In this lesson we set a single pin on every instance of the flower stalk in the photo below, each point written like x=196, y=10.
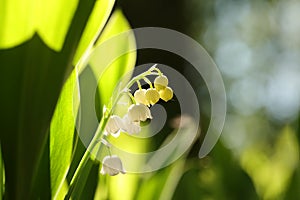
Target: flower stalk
x=137, y=112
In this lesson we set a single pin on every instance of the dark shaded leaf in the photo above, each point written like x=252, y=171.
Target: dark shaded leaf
x=32, y=77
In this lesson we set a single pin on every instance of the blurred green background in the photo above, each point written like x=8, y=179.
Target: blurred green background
x=256, y=46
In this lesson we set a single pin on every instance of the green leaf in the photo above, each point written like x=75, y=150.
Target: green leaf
x=51, y=19
x=62, y=134
x=123, y=64
x=62, y=127
x=90, y=177
x=93, y=28
x=41, y=188
x=87, y=127
x=116, y=25
x=1, y=175
x=32, y=78
x=271, y=169
x=161, y=184
x=16, y=25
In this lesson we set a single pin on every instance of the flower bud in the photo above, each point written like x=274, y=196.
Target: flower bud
x=140, y=97
x=152, y=96
x=161, y=82
x=166, y=94
x=138, y=112
x=112, y=165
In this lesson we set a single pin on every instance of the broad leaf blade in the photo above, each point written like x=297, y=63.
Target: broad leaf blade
x=53, y=19
x=94, y=26
x=116, y=25
x=122, y=67
x=123, y=64
x=16, y=25
x=61, y=135
x=33, y=75
x=85, y=129
x=22, y=19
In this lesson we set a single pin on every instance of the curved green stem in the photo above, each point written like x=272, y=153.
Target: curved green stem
x=139, y=84
x=131, y=97
x=86, y=155
x=148, y=81
x=158, y=71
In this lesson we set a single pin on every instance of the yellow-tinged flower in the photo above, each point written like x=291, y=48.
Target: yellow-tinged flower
x=140, y=97
x=112, y=165
x=138, y=112
x=166, y=94
x=152, y=96
x=161, y=82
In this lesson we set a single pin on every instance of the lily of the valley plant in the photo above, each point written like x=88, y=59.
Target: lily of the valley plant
x=137, y=112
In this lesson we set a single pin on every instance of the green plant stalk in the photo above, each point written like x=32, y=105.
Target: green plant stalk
x=101, y=128
x=86, y=155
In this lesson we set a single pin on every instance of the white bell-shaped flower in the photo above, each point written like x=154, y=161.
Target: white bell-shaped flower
x=140, y=96
x=114, y=126
x=112, y=165
x=138, y=112
x=161, y=82
x=130, y=127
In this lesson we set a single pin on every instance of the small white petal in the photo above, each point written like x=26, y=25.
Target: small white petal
x=139, y=112
x=112, y=165
x=140, y=96
x=130, y=127
x=113, y=126
x=117, y=134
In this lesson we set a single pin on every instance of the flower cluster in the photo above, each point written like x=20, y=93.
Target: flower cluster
x=137, y=112
x=152, y=95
